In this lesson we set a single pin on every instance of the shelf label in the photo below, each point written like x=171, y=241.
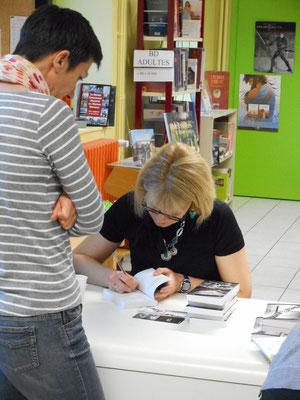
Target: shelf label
x=153, y=58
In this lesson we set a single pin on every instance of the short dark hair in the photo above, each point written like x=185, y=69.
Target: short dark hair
x=51, y=28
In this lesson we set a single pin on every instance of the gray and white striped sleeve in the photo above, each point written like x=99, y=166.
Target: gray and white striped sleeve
x=60, y=142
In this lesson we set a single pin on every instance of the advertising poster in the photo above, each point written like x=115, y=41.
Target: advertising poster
x=259, y=102
x=274, y=47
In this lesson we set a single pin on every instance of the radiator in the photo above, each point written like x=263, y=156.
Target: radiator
x=99, y=153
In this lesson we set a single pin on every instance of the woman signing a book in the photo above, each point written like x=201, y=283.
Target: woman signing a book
x=174, y=224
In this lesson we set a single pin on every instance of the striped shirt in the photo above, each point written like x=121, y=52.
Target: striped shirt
x=40, y=158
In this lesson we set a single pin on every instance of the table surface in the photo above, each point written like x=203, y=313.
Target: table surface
x=202, y=349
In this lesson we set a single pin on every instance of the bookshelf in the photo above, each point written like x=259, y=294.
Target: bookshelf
x=217, y=146
x=170, y=41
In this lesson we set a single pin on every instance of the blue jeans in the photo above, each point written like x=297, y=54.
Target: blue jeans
x=47, y=357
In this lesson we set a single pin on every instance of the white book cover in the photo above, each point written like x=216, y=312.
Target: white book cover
x=144, y=296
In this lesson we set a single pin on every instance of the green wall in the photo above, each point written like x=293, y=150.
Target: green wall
x=267, y=163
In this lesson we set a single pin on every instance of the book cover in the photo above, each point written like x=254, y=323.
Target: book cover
x=218, y=82
x=169, y=317
x=182, y=127
x=191, y=12
x=192, y=74
x=144, y=296
x=199, y=55
x=214, y=293
x=93, y=103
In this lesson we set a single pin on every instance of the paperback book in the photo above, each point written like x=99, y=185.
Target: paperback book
x=214, y=294
x=95, y=104
x=182, y=127
x=218, y=83
x=169, y=317
x=211, y=313
x=191, y=12
x=144, y=296
x=279, y=319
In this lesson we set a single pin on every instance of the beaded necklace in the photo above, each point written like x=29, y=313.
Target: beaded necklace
x=170, y=250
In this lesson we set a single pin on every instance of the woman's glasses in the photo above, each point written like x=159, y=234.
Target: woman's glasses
x=157, y=212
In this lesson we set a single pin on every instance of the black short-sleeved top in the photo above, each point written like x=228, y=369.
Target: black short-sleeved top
x=218, y=235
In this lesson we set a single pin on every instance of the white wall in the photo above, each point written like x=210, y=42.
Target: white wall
x=100, y=15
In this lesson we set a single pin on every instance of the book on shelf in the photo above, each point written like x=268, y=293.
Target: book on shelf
x=143, y=296
x=156, y=18
x=221, y=177
x=221, y=314
x=182, y=127
x=191, y=14
x=268, y=345
x=95, y=104
x=142, y=144
x=214, y=294
x=192, y=74
x=279, y=319
x=198, y=54
x=206, y=105
x=218, y=83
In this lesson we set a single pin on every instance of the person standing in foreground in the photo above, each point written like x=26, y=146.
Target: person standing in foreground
x=44, y=353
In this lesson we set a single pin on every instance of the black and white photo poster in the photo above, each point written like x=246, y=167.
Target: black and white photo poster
x=274, y=47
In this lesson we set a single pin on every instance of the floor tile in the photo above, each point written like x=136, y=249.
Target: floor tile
x=291, y=295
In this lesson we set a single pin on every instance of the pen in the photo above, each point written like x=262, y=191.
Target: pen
x=118, y=262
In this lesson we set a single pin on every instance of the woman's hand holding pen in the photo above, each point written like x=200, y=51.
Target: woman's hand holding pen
x=121, y=282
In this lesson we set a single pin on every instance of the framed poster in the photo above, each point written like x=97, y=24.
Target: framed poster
x=259, y=102
x=274, y=47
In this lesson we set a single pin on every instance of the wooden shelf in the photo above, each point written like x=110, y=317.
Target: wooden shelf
x=176, y=39
x=174, y=94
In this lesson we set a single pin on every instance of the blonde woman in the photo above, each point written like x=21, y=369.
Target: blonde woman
x=173, y=223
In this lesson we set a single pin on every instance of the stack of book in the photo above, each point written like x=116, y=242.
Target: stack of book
x=271, y=329
x=212, y=300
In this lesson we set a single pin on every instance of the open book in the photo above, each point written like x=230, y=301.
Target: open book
x=144, y=296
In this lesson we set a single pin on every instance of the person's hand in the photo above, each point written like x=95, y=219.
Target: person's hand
x=64, y=212
x=120, y=282
x=171, y=287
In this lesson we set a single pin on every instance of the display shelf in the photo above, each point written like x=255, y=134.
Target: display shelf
x=170, y=42
x=222, y=123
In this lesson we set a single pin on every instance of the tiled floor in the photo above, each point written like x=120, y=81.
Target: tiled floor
x=271, y=230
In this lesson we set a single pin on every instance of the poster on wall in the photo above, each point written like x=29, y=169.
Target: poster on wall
x=274, y=47
x=259, y=102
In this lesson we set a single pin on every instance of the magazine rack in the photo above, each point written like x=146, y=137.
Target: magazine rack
x=169, y=42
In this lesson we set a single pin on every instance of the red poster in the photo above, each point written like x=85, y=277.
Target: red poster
x=94, y=105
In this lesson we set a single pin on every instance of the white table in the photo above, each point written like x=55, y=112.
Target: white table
x=146, y=360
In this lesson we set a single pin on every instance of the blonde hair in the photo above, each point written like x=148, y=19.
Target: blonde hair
x=175, y=177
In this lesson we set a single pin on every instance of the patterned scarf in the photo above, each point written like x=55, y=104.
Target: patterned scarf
x=18, y=70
